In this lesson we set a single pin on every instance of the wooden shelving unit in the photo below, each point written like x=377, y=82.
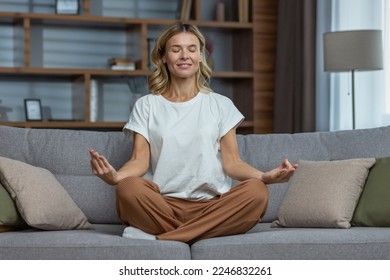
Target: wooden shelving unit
x=237, y=78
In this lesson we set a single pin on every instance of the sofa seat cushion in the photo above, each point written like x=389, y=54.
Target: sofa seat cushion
x=105, y=242
x=267, y=243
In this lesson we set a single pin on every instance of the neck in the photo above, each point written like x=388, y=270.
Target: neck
x=181, y=92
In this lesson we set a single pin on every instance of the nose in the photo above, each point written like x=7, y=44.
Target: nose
x=184, y=55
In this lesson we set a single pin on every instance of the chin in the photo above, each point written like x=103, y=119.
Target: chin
x=185, y=75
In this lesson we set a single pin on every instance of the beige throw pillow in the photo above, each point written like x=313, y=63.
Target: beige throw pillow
x=41, y=200
x=323, y=193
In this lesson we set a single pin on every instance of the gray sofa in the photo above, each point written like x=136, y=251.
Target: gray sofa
x=65, y=154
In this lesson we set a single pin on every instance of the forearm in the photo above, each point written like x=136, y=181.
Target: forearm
x=133, y=168
x=241, y=171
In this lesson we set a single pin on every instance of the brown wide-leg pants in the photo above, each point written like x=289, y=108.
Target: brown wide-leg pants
x=140, y=205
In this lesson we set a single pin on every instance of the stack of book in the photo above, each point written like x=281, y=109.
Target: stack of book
x=121, y=64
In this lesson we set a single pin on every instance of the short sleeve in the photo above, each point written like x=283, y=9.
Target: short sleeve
x=138, y=120
x=231, y=117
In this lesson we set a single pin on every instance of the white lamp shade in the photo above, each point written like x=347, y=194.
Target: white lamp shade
x=353, y=50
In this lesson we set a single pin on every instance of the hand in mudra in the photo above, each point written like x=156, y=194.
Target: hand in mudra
x=102, y=168
x=281, y=173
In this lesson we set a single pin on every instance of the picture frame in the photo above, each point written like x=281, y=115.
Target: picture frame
x=33, y=109
x=69, y=7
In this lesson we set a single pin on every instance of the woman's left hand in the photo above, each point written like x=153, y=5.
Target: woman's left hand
x=280, y=174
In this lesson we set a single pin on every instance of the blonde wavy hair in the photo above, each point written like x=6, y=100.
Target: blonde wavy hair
x=159, y=81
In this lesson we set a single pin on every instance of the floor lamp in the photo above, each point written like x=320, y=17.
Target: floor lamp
x=354, y=50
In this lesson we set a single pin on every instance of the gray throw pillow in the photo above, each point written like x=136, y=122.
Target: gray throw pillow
x=323, y=193
x=41, y=200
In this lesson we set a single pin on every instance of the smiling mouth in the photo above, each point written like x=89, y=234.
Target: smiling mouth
x=184, y=65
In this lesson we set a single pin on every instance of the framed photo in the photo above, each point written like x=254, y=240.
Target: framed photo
x=33, y=109
x=70, y=7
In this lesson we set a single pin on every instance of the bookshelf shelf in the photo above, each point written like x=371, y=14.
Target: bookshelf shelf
x=100, y=21
x=104, y=72
x=62, y=54
x=70, y=71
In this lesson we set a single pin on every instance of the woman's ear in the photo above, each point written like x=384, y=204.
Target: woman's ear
x=163, y=59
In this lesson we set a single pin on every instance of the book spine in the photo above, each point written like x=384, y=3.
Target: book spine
x=186, y=10
x=93, y=101
x=243, y=10
x=220, y=11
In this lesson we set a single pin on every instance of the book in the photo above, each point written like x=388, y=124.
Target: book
x=220, y=11
x=115, y=60
x=119, y=63
x=186, y=7
x=93, y=100
x=123, y=64
x=179, y=9
x=243, y=10
x=130, y=66
x=246, y=10
x=151, y=46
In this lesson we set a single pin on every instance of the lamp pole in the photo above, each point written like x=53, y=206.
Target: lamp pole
x=353, y=99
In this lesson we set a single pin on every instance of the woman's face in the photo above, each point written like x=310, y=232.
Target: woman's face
x=182, y=55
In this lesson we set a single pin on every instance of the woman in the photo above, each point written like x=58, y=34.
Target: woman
x=177, y=183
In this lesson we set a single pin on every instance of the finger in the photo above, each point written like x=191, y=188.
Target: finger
x=95, y=167
x=94, y=154
x=105, y=162
x=100, y=161
x=287, y=164
x=289, y=175
x=95, y=163
x=96, y=158
x=286, y=173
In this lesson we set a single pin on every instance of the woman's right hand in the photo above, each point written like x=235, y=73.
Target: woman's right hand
x=103, y=169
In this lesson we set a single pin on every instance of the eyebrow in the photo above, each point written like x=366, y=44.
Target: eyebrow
x=189, y=46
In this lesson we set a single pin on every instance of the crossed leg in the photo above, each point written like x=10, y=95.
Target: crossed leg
x=140, y=205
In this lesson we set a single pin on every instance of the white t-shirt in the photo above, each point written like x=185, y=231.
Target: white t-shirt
x=184, y=139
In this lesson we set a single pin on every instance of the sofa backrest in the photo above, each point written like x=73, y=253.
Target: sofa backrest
x=66, y=154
